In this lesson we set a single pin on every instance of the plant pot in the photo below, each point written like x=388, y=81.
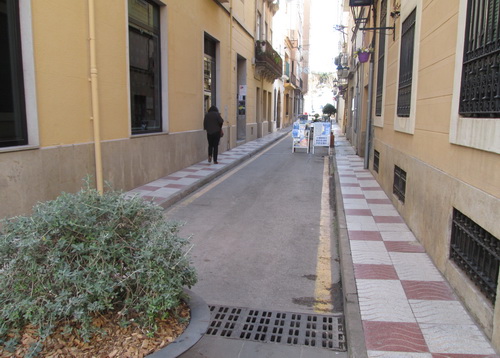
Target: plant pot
x=363, y=57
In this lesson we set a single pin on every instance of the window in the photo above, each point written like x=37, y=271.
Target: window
x=476, y=252
x=480, y=89
x=399, y=187
x=406, y=65
x=287, y=104
x=145, y=69
x=209, y=84
x=13, y=127
x=381, y=59
x=376, y=160
x=474, y=116
x=258, y=22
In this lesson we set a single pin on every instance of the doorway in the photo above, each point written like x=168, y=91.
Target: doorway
x=241, y=93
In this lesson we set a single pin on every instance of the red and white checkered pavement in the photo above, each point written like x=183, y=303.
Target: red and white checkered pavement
x=408, y=310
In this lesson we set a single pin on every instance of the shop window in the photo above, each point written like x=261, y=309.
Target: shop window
x=145, y=66
x=210, y=78
x=13, y=126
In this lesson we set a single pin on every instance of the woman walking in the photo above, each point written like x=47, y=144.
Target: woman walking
x=212, y=123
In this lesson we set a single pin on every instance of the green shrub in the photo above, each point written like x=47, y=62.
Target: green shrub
x=84, y=254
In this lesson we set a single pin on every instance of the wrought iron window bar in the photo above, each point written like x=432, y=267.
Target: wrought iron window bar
x=480, y=87
x=406, y=65
x=399, y=186
x=476, y=252
x=381, y=60
x=376, y=160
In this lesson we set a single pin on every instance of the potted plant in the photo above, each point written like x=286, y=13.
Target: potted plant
x=363, y=54
x=86, y=267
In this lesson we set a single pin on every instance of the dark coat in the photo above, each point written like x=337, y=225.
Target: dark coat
x=213, y=122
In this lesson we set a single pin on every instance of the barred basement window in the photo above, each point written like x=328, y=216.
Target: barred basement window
x=376, y=160
x=480, y=88
x=399, y=187
x=406, y=65
x=476, y=252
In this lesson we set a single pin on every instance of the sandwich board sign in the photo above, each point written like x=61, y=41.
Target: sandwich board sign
x=300, y=136
x=321, y=136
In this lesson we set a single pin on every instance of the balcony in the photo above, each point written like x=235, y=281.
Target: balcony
x=292, y=82
x=268, y=62
x=274, y=5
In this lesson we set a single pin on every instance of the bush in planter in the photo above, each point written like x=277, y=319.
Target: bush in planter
x=85, y=254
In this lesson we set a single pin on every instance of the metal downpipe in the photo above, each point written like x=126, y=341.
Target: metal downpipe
x=95, y=99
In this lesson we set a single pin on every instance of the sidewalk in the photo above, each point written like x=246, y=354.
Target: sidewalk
x=407, y=308
x=172, y=188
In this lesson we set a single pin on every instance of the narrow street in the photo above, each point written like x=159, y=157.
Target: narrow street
x=263, y=238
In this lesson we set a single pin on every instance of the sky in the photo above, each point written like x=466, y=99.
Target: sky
x=324, y=40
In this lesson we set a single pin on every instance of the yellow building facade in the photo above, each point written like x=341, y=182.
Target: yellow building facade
x=429, y=99
x=118, y=89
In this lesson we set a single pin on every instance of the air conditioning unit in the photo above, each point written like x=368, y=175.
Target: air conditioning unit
x=361, y=2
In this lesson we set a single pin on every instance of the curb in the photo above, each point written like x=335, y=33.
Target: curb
x=198, y=324
x=181, y=195
x=355, y=336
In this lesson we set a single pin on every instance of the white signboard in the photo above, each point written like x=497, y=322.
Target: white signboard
x=322, y=132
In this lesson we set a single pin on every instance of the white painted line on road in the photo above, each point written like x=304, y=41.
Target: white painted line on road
x=322, y=292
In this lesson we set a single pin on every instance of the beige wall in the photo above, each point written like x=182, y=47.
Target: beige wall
x=431, y=195
x=440, y=175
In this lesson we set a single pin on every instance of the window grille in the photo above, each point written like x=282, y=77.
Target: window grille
x=480, y=87
x=406, y=65
x=476, y=252
x=381, y=59
x=399, y=186
x=376, y=160
x=13, y=128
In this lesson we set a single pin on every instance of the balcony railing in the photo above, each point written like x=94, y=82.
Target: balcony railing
x=268, y=62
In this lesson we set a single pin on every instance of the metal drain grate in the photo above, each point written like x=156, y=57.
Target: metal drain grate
x=278, y=327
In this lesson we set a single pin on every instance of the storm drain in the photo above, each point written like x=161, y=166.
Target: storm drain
x=321, y=331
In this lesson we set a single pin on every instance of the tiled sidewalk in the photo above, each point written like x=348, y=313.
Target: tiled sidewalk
x=168, y=189
x=407, y=308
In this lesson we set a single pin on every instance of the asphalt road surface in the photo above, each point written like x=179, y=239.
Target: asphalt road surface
x=262, y=234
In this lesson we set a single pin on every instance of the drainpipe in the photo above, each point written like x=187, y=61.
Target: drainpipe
x=369, y=116
x=95, y=99
x=230, y=89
